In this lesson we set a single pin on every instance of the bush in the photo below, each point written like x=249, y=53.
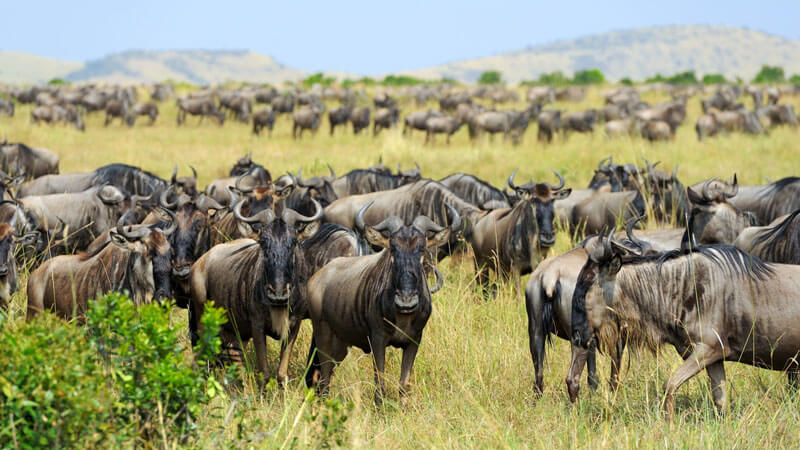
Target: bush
x=770, y=74
x=795, y=79
x=158, y=390
x=318, y=78
x=400, y=80
x=714, y=78
x=626, y=81
x=554, y=79
x=57, y=82
x=683, y=78
x=53, y=389
x=591, y=76
x=490, y=77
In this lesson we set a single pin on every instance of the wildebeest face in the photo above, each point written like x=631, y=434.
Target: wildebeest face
x=161, y=254
x=407, y=247
x=278, y=241
x=541, y=197
x=187, y=240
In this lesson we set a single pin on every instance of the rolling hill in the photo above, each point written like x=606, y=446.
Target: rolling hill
x=638, y=53
x=21, y=68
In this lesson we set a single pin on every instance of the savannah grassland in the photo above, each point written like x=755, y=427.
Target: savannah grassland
x=472, y=384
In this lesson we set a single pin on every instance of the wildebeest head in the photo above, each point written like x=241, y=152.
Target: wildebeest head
x=115, y=197
x=261, y=197
x=191, y=238
x=9, y=239
x=406, y=245
x=317, y=188
x=185, y=185
x=540, y=196
x=278, y=232
x=245, y=164
x=715, y=221
x=151, y=254
x=669, y=195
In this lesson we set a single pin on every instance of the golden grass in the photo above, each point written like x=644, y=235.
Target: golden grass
x=473, y=375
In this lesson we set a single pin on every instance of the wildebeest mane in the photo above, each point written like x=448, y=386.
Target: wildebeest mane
x=473, y=194
x=781, y=243
x=130, y=178
x=777, y=186
x=727, y=257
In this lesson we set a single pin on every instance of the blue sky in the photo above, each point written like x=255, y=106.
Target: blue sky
x=368, y=37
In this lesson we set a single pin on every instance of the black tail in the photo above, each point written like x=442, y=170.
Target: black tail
x=312, y=364
x=547, y=312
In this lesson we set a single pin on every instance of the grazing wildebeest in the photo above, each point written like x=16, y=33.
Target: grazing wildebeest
x=266, y=95
x=619, y=127
x=149, y=109
x=306, y=118
x=581, y=122
x=738, y=308
x=541, y=94
x=7, y=107
x=656, y=130
x=31, y=162
x=360, y=119
x=374, y=301
x=264, y=118
x=490, y=122
x=707, y=126
x=549, y=122
x=417, y=120
x=283, y=104
x=339, y=116
x=512, y=240
x=252, y=280
x=128, y=178
x=241, y=107
x=384, y=118
x=119, y=109
x=329, y=242
x=58, y=113
x=435, y=125
x=451, y=101
x=476, y=191
x=199, y=107
x=779, y=242
x=774, y=115
x=136, y=259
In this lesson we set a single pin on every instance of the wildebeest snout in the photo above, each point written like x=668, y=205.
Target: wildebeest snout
x=182, y=272
x=406, y=302
x=3, y=270
x=547, y=238
x=278, y=296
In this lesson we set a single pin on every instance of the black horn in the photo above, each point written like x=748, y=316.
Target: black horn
x=561, y=182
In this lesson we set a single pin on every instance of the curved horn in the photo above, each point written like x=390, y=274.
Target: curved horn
x=425, y=224
x=249, y=157
x=390, y=224
x=205, y=203
x=359, y=221
x=439, y=280
x=174, y=173
x=173, y=222
x=675, y=172
x=510, y=181
x=734, y=188
x=333, y=173
x=561, y=182
x=629, y=231
x=604, y=164
x=232, y=199
x=162, y=200
x=455, y=224
x=706, y=194
x=194, y=171
x=129, y=234
x=239, y=182
x=139, y=199
x=291, y=216
x=266, y=216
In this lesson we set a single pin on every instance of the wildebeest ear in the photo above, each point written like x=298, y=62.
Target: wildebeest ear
x=306, y=230
x=439, y=238
x=110, y=195
x=560, y=195
x=377, y=238
x=118, y=239
x=614, y=265
x=694, y=197
x=26, y=239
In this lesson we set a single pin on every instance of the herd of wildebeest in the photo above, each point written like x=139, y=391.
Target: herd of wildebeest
x=623, y=114
x=713, y=272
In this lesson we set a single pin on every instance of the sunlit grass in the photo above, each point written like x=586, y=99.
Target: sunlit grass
x=473, y=375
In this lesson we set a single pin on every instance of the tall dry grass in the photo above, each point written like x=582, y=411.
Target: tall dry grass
x=473, y=375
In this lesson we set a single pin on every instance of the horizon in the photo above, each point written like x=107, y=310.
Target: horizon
x=336, y=39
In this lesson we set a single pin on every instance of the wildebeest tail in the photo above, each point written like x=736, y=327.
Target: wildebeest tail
x=312, y=364
x=547, y=311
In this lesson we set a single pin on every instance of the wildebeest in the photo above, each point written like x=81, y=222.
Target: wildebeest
x=715, y=221
x=199, y=107
x=777, y=242
x=774, y=115
x=541, y=94
x=737, y=309
x=119, y=109
x=339, y=116
x=374, y=301
x=364, y=181
x=162, y=91
x=128, y=178
x=255, y=175
x=603, y=210
x=384, y=118
x=306, y=118
x=619, y=127
x=10, y=239
x=511, y=240
x=252, y=279
x=418, y=119
x=7, y=107
x=58, y=113
x=264, y=118
x=360, y=119
x=283, y=104
x=436, y=125
x=329, y=242
x=549, y=122
x=656, y=130
x=149, y=109
x=137, y=259
x=768, y=202
x=581, y=122
x=31, y=162
x=476, y=191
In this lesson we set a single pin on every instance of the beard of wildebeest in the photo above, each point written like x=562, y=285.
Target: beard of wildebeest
x=278, y=242
x=408, y=278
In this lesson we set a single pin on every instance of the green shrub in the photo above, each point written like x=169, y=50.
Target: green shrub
x=57, y=82
x=626, y=81
x=795, y=79
x=318, y=78
x=53, y=389
x=490, y=77
x=554, y=79
x=400, y=80
x=714, y=78
x=158, y=391
x=770, y=74
x=586, y=77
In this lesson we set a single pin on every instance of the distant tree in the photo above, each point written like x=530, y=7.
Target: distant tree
x=770, y=74
x=795, y=79
x=490, y=77
x=400, y=80
x=556, y=78
x=626, y=81
x=714, y=78
x=683, y=78
x=57, y=82
x=657, y=78
x=591, y=76
x=448, y=80
x=318, y=78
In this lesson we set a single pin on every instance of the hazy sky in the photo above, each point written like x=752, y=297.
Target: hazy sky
x=368, y=37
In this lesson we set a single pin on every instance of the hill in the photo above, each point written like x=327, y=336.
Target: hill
x=21, y=68
x=638, y=54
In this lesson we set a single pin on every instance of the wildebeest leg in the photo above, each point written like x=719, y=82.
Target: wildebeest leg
x=260, y=343
x=591, y=369
x=330, y=350
x=573, y=380
x=427, y=136
x=409, y=355
x=702, y=356
x=193, y=334
x=286, y=351
x=616, y=362
x=536, y=337
x=378, y=347
x=716, y=372
x=108, y=120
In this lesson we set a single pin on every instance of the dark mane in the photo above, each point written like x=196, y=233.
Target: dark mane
x=477, y=195
x=727, y=257
x=781, y=243
x=325, y=232
x=130, y=178
x=779, y=185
